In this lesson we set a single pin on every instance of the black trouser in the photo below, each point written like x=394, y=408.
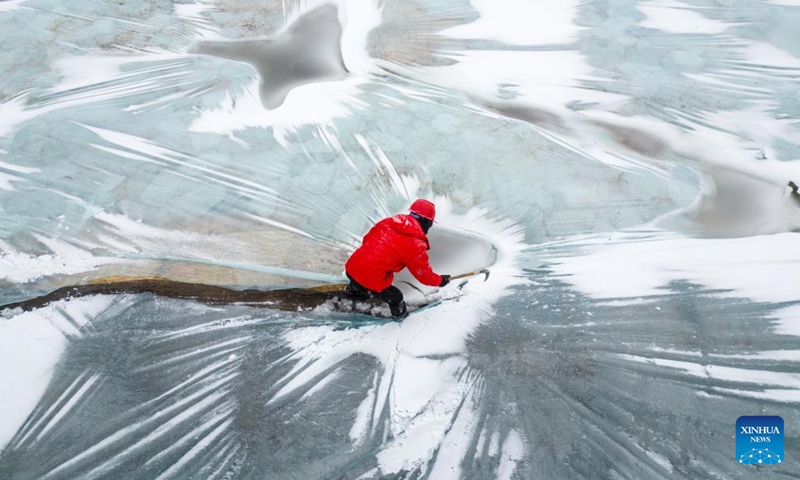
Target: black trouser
x=391, y=295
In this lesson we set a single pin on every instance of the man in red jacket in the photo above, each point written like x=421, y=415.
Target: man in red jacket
x=391, y=245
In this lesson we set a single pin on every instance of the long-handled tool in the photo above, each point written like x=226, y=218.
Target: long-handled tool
x=484, y=271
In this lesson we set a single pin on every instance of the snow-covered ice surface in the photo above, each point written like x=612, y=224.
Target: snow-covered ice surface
x=622, y=168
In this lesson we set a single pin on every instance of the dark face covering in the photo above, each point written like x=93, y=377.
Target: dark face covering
x=423, y=222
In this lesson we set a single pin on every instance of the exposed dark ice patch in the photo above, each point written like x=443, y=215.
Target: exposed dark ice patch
x=308, y=51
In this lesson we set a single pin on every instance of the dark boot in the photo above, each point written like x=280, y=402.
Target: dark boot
x=399, y=310
x=356, y=290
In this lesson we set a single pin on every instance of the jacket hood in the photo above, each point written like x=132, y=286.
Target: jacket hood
x=406, y=225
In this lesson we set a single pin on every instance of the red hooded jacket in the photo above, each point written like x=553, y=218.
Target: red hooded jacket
x=391, y=245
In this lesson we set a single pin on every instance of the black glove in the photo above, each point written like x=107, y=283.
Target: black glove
x=445, y=280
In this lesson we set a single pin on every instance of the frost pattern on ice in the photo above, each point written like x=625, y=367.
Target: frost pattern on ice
x=641, y=148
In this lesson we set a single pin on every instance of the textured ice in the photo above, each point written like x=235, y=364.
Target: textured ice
x=622, y=168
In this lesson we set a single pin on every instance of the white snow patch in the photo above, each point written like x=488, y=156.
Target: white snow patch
x=358, y=18
x=415, y=440
x=481, y=440
x=770, y=394
x=755, y=127
x=5, y=181
x=494, y=445
x=13, y=113
x=677, y=17
x=411, y=391
x=320, y=385
x=7, y=178
x=513, y=452
x=77, y=390
x=10, y=5
x=660, y=459
x=89, y=70
x=17, y=168
x=762, y=53
x=194, y=13
x=625, y=266
x=207, y=441
x=30, y=345
x=453, y=448
x=521, y=22
x=788, y=321
x=360, y=429
x=29, y=349
x=97, y=68
x=627, y=303
x=318, y=103
x=786, y=381
x=65, y=259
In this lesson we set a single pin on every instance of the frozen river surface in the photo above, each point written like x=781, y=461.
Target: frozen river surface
x=620, y=165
